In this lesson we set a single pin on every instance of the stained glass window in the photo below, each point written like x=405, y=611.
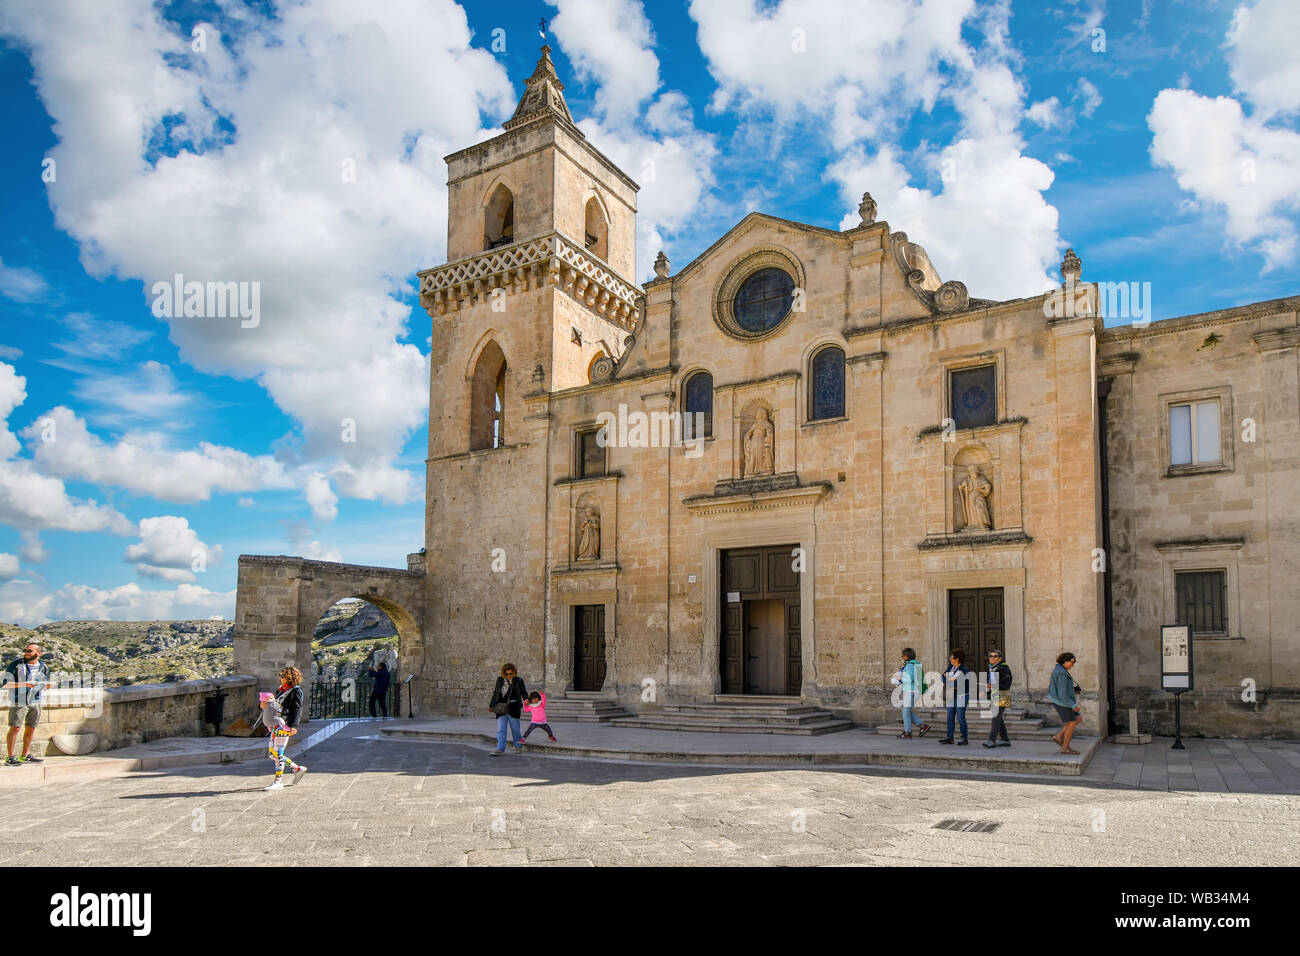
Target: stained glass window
x=697, y=396
x=764, y=299
x=974, y=398
x=827, y=399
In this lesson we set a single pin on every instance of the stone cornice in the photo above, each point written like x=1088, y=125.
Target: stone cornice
x=1273, y=340
x=476, y=452
x=309, y=565
x=871, y=361
x=1201, y=544
x=798, y=496
x=550, y=260
x=750, y=383
x=967, y=434
x=987, y=541
x=1118, y=336
x=1122, y=364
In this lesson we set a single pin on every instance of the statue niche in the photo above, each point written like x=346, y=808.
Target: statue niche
x=973, y=490
x=588, y=533
x=760, y=446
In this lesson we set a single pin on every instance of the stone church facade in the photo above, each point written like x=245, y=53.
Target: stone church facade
x=766, y=473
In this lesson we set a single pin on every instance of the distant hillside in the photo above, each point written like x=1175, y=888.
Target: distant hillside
x=151, y=652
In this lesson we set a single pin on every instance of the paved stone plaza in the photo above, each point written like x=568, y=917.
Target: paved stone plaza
x=370, y=801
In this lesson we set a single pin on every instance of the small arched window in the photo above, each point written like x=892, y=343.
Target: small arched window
x=826, y=384
x=499, y=219
x=487, y=413
x=597, y=230
x=697, y=406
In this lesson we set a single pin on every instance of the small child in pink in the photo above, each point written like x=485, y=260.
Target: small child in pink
x=536, y=707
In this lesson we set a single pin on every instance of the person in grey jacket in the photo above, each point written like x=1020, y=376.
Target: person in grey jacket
x=1061, y=690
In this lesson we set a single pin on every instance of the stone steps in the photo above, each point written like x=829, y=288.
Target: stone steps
x=583, y=707
x=1021, y=725
x=736, y=714
x=827, y=725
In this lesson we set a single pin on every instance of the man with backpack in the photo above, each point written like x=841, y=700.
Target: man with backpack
x=25, y=679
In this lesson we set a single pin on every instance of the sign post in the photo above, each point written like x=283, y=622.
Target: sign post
x=1176, y=671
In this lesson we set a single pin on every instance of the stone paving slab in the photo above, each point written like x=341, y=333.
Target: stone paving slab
x=859, y=747
x=163, y=754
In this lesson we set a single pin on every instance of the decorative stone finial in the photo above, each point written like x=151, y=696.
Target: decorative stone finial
x=867, y=209
x=1071, y=267
x=661, y=265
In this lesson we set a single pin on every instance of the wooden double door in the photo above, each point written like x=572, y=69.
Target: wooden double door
x=976, y=623
x=761, y=647
x=589, y=647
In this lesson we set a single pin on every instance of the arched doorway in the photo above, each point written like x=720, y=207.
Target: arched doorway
x=351, y=639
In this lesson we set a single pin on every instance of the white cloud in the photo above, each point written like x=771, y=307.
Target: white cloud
x=660, y=148
x=21, y=284
x=13, y=392
x=609, y=42
x=867, y=72
x=32, y=551
x=168, y=548
x=1087, y=91
x=1046, y=113
x=147, y=392
x=31, y=501
x=1262, y=57
x=1248, y=165
x=8, y=566
x=143, y=464
x=1222, y=156
x=389, y=88
x=324, y=503
x=23, y=603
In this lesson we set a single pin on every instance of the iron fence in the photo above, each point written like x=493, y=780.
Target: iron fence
x=350, y=697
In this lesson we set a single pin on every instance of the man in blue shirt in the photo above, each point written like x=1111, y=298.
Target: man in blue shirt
x=24, y=680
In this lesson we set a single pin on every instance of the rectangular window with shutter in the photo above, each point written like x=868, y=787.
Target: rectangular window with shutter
x=1194, y=433
x=1201, y=601
x=590, y=455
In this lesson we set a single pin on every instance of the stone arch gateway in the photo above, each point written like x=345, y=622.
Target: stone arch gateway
x=280, y=599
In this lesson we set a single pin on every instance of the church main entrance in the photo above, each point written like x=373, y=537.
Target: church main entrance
x=762, y=651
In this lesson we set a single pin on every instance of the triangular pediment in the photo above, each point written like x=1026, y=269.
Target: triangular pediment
x=754, y=226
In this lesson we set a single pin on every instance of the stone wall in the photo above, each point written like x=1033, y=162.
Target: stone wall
x=139, y=713
x=1240, y=515
x=280, y=600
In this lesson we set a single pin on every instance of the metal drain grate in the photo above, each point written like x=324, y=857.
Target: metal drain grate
x=967, y=826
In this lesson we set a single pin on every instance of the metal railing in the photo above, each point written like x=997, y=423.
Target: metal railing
x=350, y=697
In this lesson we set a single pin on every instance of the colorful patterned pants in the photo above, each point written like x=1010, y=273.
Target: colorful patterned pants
x=280, y=740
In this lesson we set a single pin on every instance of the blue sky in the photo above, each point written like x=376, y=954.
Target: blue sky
x=214, y=140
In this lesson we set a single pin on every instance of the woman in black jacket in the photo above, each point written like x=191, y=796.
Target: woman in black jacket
x=507, y=703
x=281, y=715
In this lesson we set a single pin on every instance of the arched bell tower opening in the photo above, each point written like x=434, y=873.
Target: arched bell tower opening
x=499, y=218
x=487, y=415
x=597, y=230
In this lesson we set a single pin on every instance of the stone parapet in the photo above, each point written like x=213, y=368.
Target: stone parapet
x=139, y=713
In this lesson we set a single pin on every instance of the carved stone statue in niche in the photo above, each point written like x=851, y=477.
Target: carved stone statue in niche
x=589, y=535
x=975, y=490
x=760, y=457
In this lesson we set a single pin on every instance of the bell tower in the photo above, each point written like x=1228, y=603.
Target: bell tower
x=541, y=259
